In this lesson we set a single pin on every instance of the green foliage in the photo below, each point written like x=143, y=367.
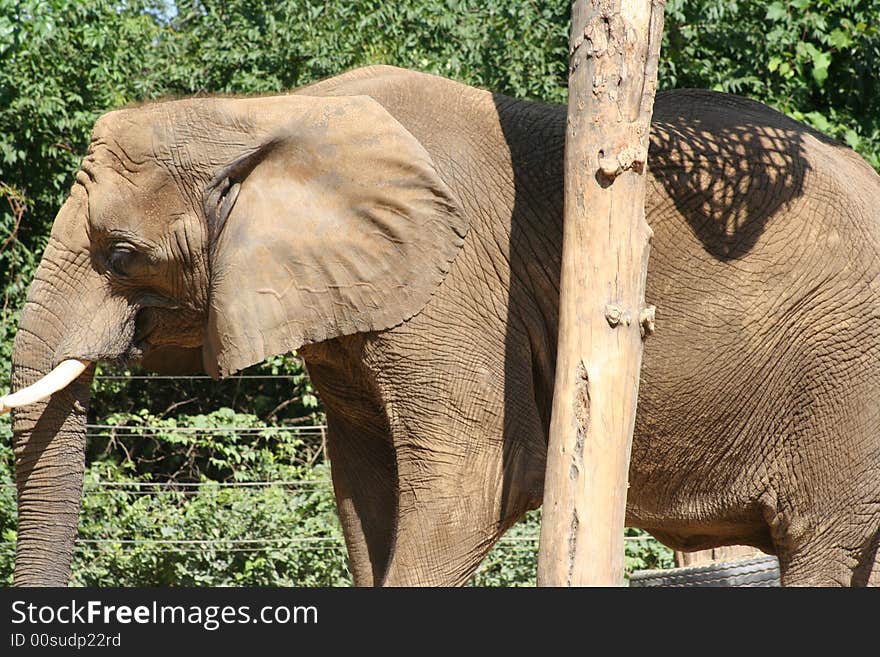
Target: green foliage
x=276, y=391
x=214, y=535
x=816, y=60
x=170, y=532
x=268, y=46
x=64, y=62
x=291, y=532
x=641, y=552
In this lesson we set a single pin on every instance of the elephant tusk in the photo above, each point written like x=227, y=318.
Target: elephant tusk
x=63, y=374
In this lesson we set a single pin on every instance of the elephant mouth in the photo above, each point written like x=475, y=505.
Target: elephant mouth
x=135, y=353
x=148, y=335
x=68, y=370
x=158, y=327
x=144, y=326
x=132, y=341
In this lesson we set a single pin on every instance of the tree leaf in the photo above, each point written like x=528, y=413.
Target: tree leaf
x=821, y=62
x=776, y=12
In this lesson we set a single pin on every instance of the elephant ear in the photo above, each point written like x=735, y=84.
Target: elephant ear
x=333, y=222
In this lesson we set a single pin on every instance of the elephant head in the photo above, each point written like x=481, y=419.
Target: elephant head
x=240, y=228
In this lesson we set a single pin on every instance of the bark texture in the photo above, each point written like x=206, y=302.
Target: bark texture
x=615, y=47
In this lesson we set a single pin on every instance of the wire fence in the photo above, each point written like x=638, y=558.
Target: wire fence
x=162, y=377
x=171, y=487
x=226, y=545
x=294, y=543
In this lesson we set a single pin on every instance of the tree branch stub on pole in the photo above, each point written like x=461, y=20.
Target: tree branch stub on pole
x=615, y=48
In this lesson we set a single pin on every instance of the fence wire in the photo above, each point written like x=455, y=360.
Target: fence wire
x=163, y=377
x=316, y=543
x=150, y=488
x=137, y=428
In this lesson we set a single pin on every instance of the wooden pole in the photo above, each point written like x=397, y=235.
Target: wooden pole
x=614, y=53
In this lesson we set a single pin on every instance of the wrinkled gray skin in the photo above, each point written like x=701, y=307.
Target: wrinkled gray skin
x=758, y=414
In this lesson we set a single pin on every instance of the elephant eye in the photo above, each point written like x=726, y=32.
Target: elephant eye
x=121, y=259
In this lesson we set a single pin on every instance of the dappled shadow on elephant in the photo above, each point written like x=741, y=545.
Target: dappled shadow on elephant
x=727, y=182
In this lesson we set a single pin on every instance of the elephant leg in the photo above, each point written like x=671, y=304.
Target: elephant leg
x=459, y=492
x=362, y=460
x=467, y=437
x=832, y=558
x=365, y=485
x=867, y=573
x=825, y=523
x=840, y=549
x=444, y=527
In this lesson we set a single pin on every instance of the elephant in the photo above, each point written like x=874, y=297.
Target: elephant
x=403, y=233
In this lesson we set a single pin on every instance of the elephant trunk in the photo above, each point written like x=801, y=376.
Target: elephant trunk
x=49, y=443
